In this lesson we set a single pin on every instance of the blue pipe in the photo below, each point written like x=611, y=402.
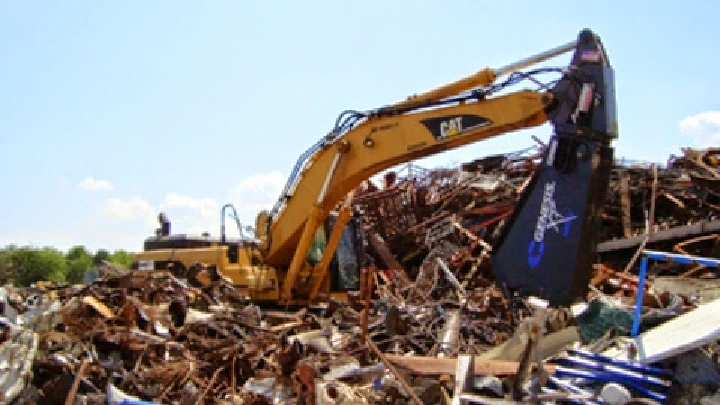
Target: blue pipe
x=639, y=300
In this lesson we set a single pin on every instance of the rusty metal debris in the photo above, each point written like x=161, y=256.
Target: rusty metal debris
x=152, y=337
x=464, y=208
x=440, y=226
x=429, y=325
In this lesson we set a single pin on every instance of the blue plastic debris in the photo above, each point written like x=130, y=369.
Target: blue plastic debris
x=672, y=257
x=378, y=383
x=580, y=368
x=116, y=397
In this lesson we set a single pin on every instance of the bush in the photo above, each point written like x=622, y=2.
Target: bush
x=26, y=265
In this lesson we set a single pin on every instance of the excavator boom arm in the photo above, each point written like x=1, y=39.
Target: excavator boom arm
x=383, y=142
x=555, y=223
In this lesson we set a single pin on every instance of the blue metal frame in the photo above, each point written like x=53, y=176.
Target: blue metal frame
x=668, y=257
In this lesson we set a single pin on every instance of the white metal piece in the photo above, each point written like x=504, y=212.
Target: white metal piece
x=681, y=334
x=543, y=56
x=329, y=176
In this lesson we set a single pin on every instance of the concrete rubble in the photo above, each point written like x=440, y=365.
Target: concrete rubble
x=429, y=324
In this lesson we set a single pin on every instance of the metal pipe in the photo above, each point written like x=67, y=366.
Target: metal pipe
x=453, y=280
x=540, y=57
x=329, y=177
x=639, y=298
x=450, y=333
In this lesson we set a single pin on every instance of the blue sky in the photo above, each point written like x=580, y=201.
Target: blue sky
x=111, y=111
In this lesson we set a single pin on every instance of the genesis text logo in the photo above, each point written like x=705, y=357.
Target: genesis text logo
x=549, y=218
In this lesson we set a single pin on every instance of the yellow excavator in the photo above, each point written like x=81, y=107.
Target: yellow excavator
x=547, y=246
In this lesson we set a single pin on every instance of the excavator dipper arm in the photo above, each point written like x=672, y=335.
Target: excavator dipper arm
x=363, y=144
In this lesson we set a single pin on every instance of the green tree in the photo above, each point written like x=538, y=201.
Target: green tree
x=79, y=260
x=6, y=264
x=101, y=255
x=121, y=257
x=29, y=265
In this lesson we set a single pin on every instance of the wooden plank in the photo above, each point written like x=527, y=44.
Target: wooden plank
x=437, y=366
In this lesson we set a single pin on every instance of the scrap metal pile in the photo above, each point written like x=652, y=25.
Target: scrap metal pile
x=150, y=336
x=456, y=214
x=428, y=326
x=415, y=210
x=434, y=231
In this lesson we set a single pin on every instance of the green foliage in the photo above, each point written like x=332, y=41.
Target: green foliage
x=30, y=265
x=6, y=265
x=26, y=265
x=122, y=258
x=100, y=256
x=79, y=260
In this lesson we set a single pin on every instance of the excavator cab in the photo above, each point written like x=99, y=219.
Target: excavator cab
x=348, y=256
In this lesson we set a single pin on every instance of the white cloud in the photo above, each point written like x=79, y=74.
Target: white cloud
x=191, y=215
x=258, y=192
x=703, y=127
x=202, y=207
x=139, y=209
x=91, y=184
x=133, y=209
x=124, y=222
x=194, y=215
x=273, y=179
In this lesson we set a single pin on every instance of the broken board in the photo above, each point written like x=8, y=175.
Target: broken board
x=686, y=332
